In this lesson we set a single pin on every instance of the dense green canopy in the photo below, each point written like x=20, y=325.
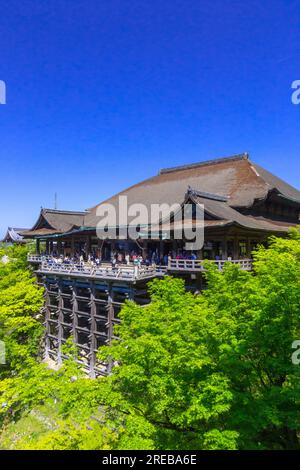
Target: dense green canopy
x=211, y=371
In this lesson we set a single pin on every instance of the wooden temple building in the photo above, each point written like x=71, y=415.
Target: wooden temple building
x=14, y=235
x=243, y=205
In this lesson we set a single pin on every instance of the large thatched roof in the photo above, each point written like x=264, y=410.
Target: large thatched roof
x=237, y=179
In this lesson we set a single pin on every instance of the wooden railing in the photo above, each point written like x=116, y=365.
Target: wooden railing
x=105, y=270
x=199, y=265
x=49, y=264
x=38, y=258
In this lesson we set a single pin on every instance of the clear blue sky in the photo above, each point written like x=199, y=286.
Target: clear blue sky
x=103, y=93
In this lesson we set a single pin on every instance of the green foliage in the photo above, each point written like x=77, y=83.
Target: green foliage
x=167, y=374
x=212, y=371
x=43, y=428
x=258, y=317
x=20, y=304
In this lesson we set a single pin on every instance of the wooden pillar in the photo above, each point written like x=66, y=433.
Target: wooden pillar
x=93, y=327
x=59, y=247
x=112, y=248
x=224, y=248
x=110, y=312
x=60, y=321
x=236, y=248
x=161, y=249
x=110, y=319
x=37, y=244
x=199, y=281
x=74, y=313
x=87, y=246
x=248, y=247
x=145, y=248
x=174, y=247
x=100, y=247
x=47, y=317
x=72, y=246
x=47, y=247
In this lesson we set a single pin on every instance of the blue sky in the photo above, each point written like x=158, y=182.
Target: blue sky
x=104, y=93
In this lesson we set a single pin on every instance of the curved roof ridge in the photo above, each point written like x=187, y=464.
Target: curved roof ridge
x=215, y=161
x=61, y=211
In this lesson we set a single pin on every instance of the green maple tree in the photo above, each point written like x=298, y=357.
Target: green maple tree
x=211, y=371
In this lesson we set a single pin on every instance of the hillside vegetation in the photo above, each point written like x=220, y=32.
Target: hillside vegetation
x=212, y=371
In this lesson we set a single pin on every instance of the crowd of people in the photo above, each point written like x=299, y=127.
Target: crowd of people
x=122, y=258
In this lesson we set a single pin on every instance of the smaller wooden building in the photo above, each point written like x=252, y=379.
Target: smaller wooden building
x=14, y=235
